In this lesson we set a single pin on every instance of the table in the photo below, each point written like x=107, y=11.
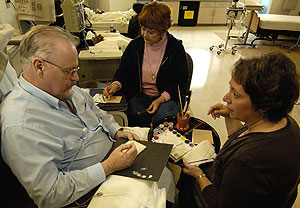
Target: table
x=187, y=183
x=97, y=64
x=207, y=167
x=101, y=61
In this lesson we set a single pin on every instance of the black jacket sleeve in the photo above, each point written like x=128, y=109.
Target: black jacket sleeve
x=180, y=75
x=174, y=69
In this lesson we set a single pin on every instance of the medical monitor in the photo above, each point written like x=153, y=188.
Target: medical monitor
x=35, y=10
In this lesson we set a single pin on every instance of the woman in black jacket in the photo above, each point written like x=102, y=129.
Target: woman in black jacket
x=151, y=69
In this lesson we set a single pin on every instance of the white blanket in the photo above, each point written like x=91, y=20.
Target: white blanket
x=120, y=191
x=6, y=33
x=8, y=75
x=279, y=22
x=122, y=17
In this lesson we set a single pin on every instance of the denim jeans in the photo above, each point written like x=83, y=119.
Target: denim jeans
x=140, y=103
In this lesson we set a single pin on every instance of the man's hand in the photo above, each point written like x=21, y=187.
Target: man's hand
x=122, y=157
x=125, y=134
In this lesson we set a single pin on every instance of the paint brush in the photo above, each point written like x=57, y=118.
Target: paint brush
x=180, y=99
x=202, y=160
x=188, y=101
x=186, y=133
x=141, y=112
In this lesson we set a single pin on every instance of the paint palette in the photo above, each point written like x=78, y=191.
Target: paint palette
x=169, y=123
x=165, y=133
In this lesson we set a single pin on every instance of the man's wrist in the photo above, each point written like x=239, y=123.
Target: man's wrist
x=107, y=167
x=117, y=135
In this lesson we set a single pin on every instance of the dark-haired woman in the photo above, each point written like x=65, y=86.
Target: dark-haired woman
x=259, y=164
x=151, y=69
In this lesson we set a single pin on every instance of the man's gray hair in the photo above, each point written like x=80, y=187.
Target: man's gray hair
x=40, y=41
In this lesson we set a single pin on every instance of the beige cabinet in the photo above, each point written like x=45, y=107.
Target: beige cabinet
x=206, y=12
x=174, y=6
x=213, y=12
x=210, y=12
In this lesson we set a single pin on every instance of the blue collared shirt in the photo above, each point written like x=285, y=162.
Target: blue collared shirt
x=54, y=153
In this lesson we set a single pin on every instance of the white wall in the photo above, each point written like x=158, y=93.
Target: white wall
x=8, y=16
x=276, y=7
x=104, y=5
x=121, y=5
x=296, y=10
x=114, y=5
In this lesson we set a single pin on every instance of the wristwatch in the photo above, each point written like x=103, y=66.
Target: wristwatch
x=200, y=176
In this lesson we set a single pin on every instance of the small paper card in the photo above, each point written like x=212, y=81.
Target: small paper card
x=99, y=98
x=204, y=150
x=200, y=135
x=140, y=147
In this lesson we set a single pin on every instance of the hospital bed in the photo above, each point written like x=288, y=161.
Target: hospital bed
x=272, y=26
x=119, y=20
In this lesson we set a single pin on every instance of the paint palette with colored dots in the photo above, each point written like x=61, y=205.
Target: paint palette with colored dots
x=165, y=133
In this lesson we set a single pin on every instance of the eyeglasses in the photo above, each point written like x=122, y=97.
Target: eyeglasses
x=66, y=71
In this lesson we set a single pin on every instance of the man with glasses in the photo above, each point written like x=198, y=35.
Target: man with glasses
x=54, y=138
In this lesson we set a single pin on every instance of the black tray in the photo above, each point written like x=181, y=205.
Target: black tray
x=193, y=122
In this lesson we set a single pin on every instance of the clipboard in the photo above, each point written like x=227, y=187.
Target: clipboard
x=149, y=164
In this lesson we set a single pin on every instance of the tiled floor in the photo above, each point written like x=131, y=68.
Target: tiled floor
x=212, y=72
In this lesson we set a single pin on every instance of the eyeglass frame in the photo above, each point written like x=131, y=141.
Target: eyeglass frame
x=69, y=73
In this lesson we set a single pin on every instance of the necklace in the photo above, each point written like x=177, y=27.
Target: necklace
x=153, y=72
